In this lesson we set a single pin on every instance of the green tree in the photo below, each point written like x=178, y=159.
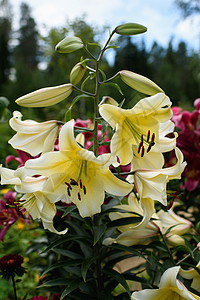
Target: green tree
x=5, y=32
x=188, y=7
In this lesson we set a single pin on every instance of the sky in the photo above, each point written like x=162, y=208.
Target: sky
x=161, y=17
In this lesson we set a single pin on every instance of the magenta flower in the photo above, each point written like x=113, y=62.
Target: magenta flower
x=9, y=213
x=189, y=142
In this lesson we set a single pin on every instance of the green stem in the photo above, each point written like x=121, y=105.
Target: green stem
x=84, y=92
x=98, y=262
x=14, y=287
x=184, y=258
x=167, y=247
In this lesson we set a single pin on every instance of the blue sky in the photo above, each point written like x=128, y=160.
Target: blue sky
x=161, y=17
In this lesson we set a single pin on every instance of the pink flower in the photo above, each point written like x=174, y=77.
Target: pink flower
x=189, y=142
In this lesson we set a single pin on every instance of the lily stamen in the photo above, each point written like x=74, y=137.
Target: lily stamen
x=68, y=192
x=73, y=182
x=81, y=185
x=69, y=186
x=142, y=153
x=79, y=196
x=148, y=136
x=84, y=190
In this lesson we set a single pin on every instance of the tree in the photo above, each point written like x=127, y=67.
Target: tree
x=188, y=7
x=5, y=32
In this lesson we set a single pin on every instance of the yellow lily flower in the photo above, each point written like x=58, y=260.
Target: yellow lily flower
x=151, y=183
x=192, y=274
x=76, y=175
x=138, y=126
x=34, y=200
x=31, y=136
x=170, y=288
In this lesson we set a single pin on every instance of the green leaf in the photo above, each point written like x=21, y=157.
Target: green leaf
x=128, y=249
x=68, y=115
x=114, y=85
x=61, y=264
x=94, y=45
x=53, y=282
x=68, y=210
x=70, y=254
x=70, y=288
x=98, y=232
x=85, y=266
x=119, y=278
x=103, y=74
x=124, y=221
x=64, y=239
x=114, y=47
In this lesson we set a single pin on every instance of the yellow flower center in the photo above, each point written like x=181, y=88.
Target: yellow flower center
x=141, y=138
x=77, y=185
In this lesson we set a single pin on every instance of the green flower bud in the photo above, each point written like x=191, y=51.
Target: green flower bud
x=45, y=96
x=77, y=73
x=69, y=44
x=130, y=29
x=140, y=83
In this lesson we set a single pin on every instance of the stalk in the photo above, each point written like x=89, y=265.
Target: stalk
x=14, y=287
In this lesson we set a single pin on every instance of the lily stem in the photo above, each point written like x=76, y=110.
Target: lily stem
x=184, y=258
x=167, y=247
x=14, y=287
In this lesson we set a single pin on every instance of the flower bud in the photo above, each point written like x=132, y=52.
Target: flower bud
x=140, y=83
x=77, y=73
x=69, y=44
x=45, y=96
x=130, y=29
x=108, y=100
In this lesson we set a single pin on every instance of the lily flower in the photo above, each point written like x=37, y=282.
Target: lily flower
x=181, y=226
x=170, y=288
x=138, y=126
x=34, y=200
x=77, y=175
x=192, y=274
x=136, y=233
x=31, y=136
x=151, y=183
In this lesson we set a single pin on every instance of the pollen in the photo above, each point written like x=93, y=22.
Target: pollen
x=73, y=182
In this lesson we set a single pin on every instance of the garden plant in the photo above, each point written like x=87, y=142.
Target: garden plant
x=116, y=197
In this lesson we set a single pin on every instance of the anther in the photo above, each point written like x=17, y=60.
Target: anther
x=79, y=196
x=84, y=190
x=152, y=139
x=73, y=182
x=80, y=181
x=142, y=153
x=142, y=139
x=148, y=135
x=139, y=147
x=68, y=192
x=149, y=148
x=69, y=186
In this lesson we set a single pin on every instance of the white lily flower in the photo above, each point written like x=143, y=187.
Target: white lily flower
x=138, y=126
x=152, y=183
x=140, y=232
x=170, y=288
x=192, y=274
x=34, y=200
x=181, y=226
x=76, y=175
x=31, y=136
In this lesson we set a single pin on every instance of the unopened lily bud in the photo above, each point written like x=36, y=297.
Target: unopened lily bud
x=108, y=100
x=45, y=96
x=77, y=73
x=69, y=44
x=130, y=29
x=140, y=83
